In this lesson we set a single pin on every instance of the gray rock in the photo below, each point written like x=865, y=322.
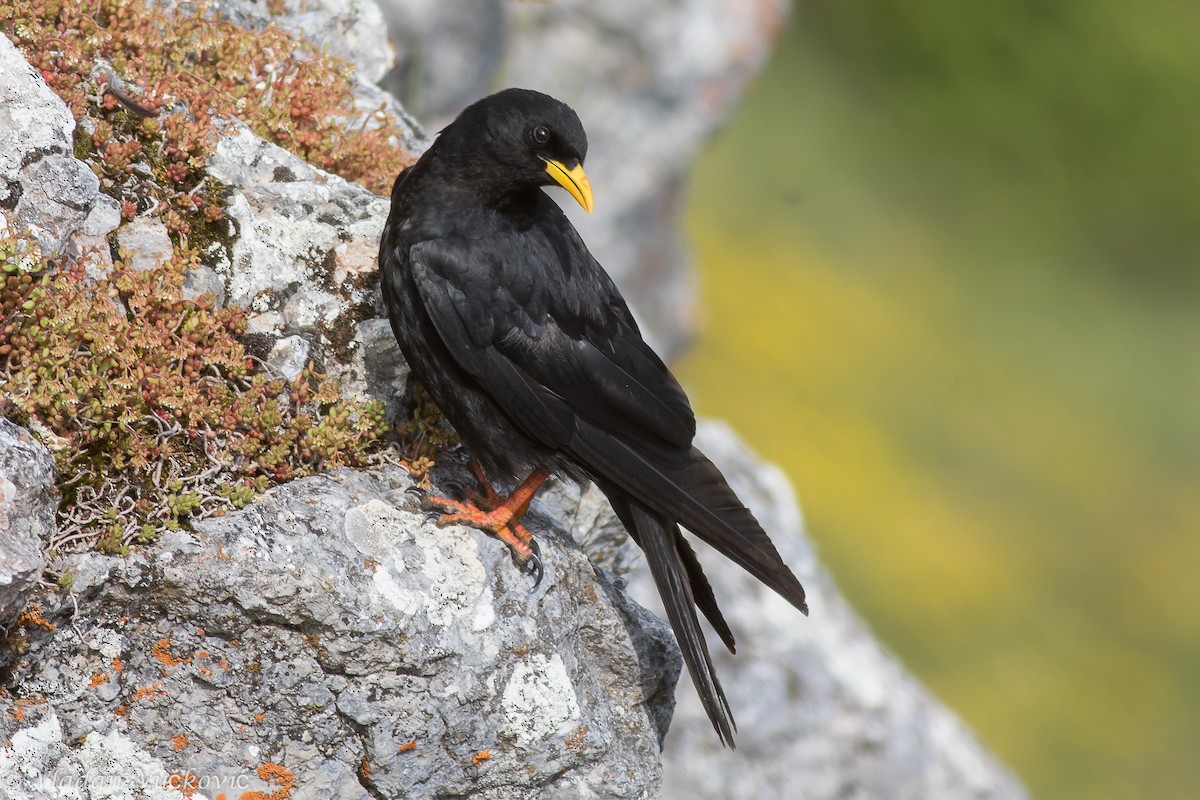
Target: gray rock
x=146, y=242
x=303, y=259
x=351, y=29
x=41, y=183
x=28, y=502
x=204, y=280
x=289, y=356
x=32, y=116
x=377, y=359
x=326, y=627
x=104, y=217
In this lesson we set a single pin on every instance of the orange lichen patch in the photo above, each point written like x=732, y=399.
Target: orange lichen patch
x=278, y=775
x=21, y=704
x=364, y=769
x=259, y=717
x=32, y=615
x=98, y=680
x=411, y=744
x=480, y=757
x=184, y=782
x=200, y=654
x=179, y=741
x=199, y=631
x=162, y=651
x=148, y=692
x=120, y=711
x=118, y=665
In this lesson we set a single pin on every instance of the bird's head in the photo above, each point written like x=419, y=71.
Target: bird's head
x=521, y=138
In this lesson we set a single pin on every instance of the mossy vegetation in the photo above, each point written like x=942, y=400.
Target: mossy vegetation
x=187, y=69
x=154, y=411
x=152, y=408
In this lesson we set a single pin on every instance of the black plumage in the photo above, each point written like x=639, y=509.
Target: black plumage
x=530, y=351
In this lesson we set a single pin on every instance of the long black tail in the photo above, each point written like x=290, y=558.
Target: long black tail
x=695, y=494
x=683, y=587
x=653, y=498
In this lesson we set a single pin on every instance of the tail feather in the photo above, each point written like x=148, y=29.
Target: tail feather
x=671, y=576
x=696, y=495
x=702, y=592
x=653, y=498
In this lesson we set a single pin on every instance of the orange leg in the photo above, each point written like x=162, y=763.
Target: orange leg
x=493, y=513
x=489, y=499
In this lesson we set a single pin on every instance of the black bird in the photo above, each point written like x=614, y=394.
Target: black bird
x=531, y=353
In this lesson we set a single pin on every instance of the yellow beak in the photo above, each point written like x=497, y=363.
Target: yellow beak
x=573, y=180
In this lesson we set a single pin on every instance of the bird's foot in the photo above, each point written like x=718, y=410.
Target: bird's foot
x=499, y=521
x=493, y=513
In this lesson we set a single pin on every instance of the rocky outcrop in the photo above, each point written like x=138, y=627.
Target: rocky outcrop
x=329, y=638
x=327, y=641
x=303, y=262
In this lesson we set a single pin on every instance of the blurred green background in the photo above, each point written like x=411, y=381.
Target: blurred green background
x=950, y=262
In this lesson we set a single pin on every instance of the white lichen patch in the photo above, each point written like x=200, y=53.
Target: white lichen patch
x=115, y=768
x=539, y=699
x=36, y=762
x=456, y=576
x=107, y=642
x=29, y=759
x=485, y=615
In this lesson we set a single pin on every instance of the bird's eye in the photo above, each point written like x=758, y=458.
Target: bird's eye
x=541, y=134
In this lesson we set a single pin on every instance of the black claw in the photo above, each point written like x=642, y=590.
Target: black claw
x=534, y=564
x=432, y=515
x=415, y=490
